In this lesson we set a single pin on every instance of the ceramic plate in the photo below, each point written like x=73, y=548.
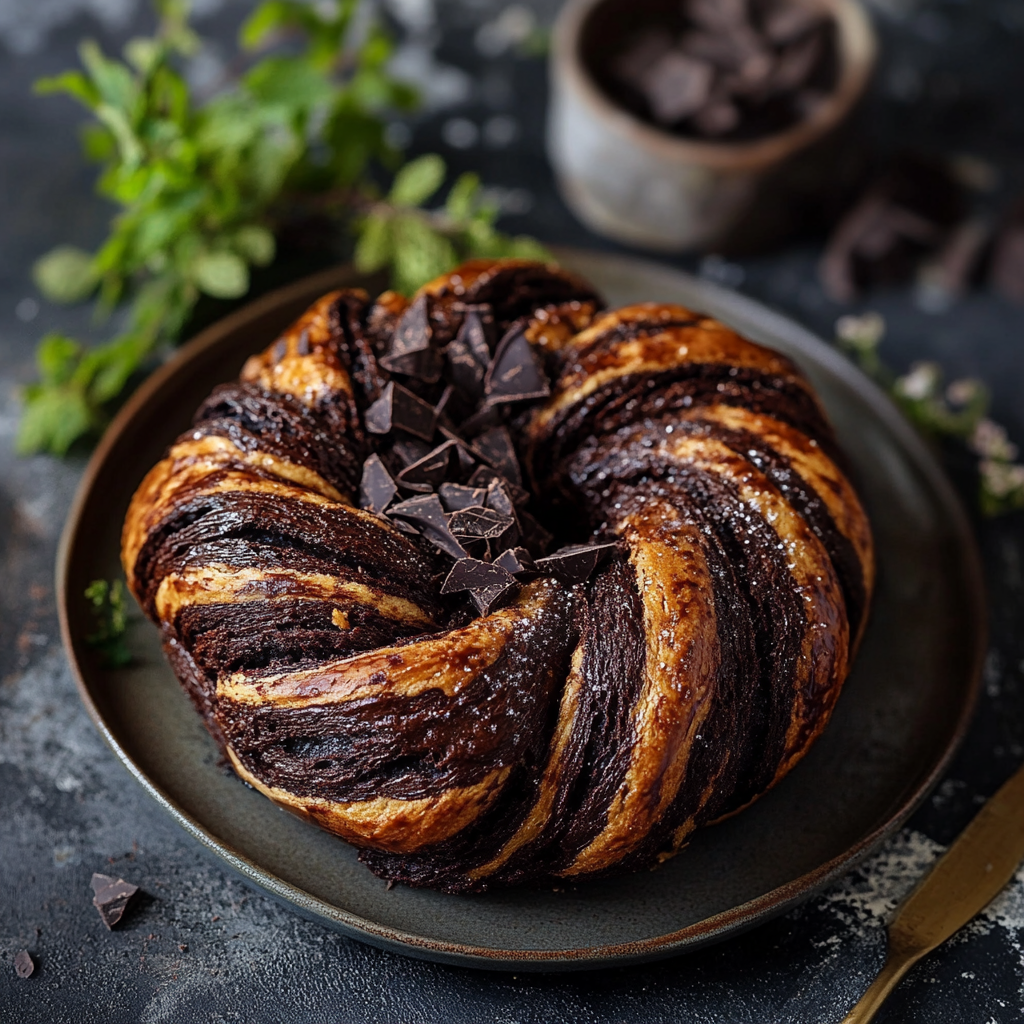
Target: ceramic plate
x=900, y=717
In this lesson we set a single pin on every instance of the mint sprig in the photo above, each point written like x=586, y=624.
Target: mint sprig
x=203, y=186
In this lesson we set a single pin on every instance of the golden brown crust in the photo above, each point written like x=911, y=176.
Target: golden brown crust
x=576, y=731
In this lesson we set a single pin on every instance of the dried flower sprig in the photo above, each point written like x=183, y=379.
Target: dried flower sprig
x=958, y=410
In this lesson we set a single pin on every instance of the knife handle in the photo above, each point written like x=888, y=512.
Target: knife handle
x=897, y=963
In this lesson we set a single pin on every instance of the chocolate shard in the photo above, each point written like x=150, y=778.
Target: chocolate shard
x=477, y=325
x=515, y=560
x=574, y=564
x=469, y=355
x=677, y=86
x=495, y=445
x=408, y=450
x=467, y=460
x=399, y=409
x=515, y=374
x=499, y=497
x=24, y=965
x=377, y=488
x=487, y=600
x=483, y=476
x=458, y=496
x=479, y=522
x=411, y=352
x=427, y=515
x=472, y=574
x=111, y=896
x=403, y=526
x=534, y=536
x=484, y=418
x=428, y=473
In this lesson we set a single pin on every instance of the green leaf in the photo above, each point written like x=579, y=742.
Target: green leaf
x=462, y=197
x=221, y=274
x=110, y=614
x=289, y=81
x=53, y=419
x=417, y=181
x=143, y=54
x=72, y=83
x=113, y=80
x=374, y=246
x=65, y=274
x=420, y=252
x=267, y=19
x=255, y=243
x=57, y=356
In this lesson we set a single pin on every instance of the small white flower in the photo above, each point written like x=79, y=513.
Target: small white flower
x=990, y=441
x=862, y=332
x=922, y=382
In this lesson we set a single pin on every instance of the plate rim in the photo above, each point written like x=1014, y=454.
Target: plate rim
x=711, y=929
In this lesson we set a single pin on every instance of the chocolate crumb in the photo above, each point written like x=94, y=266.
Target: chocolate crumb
x=24, y=965
x=377, y=488
x=111, y=897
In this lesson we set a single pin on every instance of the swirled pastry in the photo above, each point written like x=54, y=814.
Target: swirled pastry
x=502, y=588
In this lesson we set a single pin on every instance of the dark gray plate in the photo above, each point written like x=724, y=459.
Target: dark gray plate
x=903, y=711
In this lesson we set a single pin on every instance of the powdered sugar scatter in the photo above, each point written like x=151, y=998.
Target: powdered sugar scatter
x=864, y=901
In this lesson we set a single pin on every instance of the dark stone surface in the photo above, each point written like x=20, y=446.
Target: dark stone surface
x=196, y=945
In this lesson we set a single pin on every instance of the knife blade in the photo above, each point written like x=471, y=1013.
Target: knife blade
x=983, y=858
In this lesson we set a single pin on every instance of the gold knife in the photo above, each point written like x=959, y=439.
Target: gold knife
x=967, y=877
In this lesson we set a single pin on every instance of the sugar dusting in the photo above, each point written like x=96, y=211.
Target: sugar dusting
x=864, y=900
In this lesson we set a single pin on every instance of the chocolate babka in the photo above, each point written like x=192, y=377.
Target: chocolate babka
x=502, y=588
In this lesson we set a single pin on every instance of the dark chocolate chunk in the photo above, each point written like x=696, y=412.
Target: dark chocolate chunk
x=111, y=897
x=483, y=476
x=401, y=524
x=24, y=965
x=428, y=473
x=458, y=496
x=399, y=409
x=495, y=445
x=411, y=352
x=677, y=86
x=467, y=460
x=474, y=332
x=472, y=574
x=499, y=497
x=534, y=536
x=515, y=373
x=574, y=564
x=484, y=418
x=279, y=350
x=515, y=560
x=427, y=515
x=469, y=355
x=489, y=598
x=408, y=450
x=479, y=522
x=377, y=487
x=1007, y=269
x=302, y=345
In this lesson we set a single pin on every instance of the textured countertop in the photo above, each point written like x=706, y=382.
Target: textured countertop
x=200, y=946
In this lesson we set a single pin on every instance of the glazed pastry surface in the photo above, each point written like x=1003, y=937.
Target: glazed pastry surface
x=571, y=714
